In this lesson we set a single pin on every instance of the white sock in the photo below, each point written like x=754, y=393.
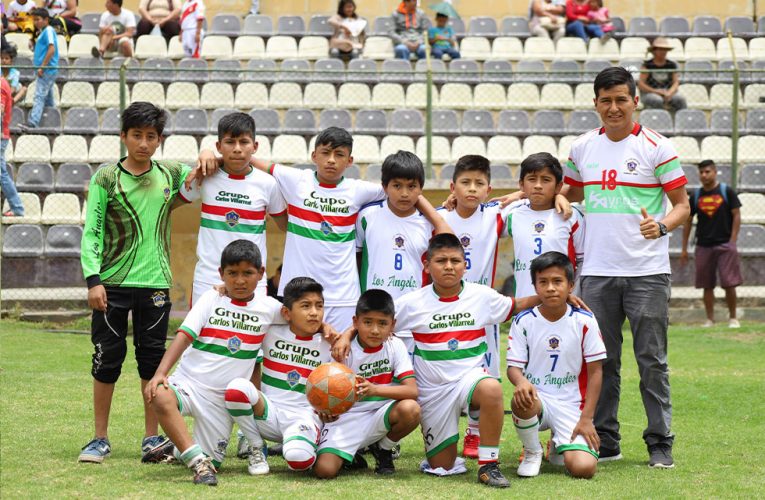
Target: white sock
x=472, y=427
x=528, y=432
x=488, y=454
x=387, y=443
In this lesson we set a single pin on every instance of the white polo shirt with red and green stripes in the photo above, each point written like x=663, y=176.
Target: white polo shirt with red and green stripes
x=287, y=362
x=387, y=364
x=618, y=179
x=233, y=207
x=449, y=332
x=225, y=335
x=321, y=231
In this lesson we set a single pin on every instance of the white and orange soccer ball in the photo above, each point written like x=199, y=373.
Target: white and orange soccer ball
x=331, y=388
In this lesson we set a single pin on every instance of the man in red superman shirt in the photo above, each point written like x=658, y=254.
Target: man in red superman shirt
x=718, y=209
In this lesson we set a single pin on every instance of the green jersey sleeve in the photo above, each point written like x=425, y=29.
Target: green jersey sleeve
x=92, y=245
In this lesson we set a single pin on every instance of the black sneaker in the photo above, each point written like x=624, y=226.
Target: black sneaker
x=490, y=475
x=609, y=454
x=204, y=472
x=384, y=460
x=358, y=463
x=275, y=450
x=156, y=449
x=660, y=456
x=95, y=53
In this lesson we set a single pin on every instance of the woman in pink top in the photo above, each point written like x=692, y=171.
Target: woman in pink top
x=578, y=23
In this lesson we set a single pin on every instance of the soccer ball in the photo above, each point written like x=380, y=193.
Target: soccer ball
x=331, y=387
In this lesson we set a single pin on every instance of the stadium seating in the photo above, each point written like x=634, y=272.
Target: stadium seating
x=225, y=25
x=68, y=148
x=182, y=95
x=63, y=241
x=371, y=122
x=407, y=122
x=23, y=240
x=61, y=208
x=72, y=177
x=151, y=46
x=82, y=121
x=320, y=95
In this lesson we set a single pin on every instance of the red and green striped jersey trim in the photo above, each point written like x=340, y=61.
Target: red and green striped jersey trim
x=316, y=234
x=448, y=355
x=281, y=384
x=437, y=338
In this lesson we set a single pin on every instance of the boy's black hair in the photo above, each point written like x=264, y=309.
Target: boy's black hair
x=341, y=8
x=117, y=2
x=142, y=114
x=402, y=165
x=613, y=76
x=298, y=287
x=442, y=241
x=335, y=137
x=551, y=259
x=10, y=50
x=535, y=163
x=40, y=12
x=375, y=300
x=241, y=251
x=469, y=163
x=706, y=163
x=236, y=125
x=438, y=15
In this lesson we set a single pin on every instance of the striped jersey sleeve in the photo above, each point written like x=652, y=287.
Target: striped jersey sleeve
x=668, y=169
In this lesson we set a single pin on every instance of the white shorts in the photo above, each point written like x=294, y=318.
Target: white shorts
x=190, y=47
x=561, y=418
x=491, y=360
x=355, y=430
x=200, y=288
x=283, y=425
x=340, y=317
x=212, y=422
x=441, y=408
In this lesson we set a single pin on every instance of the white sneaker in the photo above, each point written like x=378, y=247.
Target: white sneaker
x=532, y=461
x=257, y=462
x=708, y=324
x=733, y=323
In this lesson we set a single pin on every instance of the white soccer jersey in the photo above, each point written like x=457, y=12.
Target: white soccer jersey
x=554, y=355
x=392, y=249
x=226, y=335
x=15, y=8
x=233, y=207
x=449, y=333
x=321, y=231
x=386, y=364
x=618, y=179
x=535, y=232
x=287, y=362
x=191, y=11
x=479, y=235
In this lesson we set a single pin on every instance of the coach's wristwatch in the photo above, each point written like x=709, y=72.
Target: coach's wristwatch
x=662, y=229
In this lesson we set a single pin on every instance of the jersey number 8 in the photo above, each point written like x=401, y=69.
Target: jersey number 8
x=398, y=262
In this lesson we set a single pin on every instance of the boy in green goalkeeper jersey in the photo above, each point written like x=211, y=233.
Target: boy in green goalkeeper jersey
x=126, y=263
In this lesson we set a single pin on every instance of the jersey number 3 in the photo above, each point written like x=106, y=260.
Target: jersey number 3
x=538, y=249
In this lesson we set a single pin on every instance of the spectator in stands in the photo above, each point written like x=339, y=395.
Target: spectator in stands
x=7, y=55
x=46, y=62
x=348, y=39
x=577, y=22
x=719, y=212
x=409, y=25
x=659, y=88
x=443, y=43
x=66, y=10
x=255, y=7
x=599, y=14
x=547, y=18
x=115, y=30
x=162, y=14
x=192, y=22
x=6, y=182
x=20, y=17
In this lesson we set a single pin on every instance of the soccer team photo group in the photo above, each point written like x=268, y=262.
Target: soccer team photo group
x=379, y=342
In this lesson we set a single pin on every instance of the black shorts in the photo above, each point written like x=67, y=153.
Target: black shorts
x=151, y=313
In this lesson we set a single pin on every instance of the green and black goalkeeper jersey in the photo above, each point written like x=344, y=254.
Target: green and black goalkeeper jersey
x=126, y=239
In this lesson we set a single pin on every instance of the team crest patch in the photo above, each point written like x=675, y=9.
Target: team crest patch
x=399, y=241
x=539, y=226
x=234, y=344
x=232, y=218
x=553, y=342
x=453, y=344
x=293, y=378
x=166, y=192
x=159, y=299
x=465, y=240
x=631, y=164
x=326, y=227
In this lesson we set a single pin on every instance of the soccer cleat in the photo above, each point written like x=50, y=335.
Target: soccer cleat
x=470, y=446
x=242, y=446
x=95, y=451
x=733, y=323
x=609, y=455
x=257, y=464
x=490, y=475
x=660, y=456
x=204, y=472
x=156, y=449
x=708, y=324
x=358, y=463
x=396, y=451
x=383, y=460
x=532, y=462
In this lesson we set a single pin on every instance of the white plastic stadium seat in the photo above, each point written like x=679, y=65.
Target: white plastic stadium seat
x=216, y=47
x=699, y=48
x=354, y=96
x=285, y=95
x=507, y=47
x=539, y=48
x=21, y=41
x=751, y=208
x=182, y=95
x=754, y=95
x=281, y=47
x=289, y=149
x=523, y=96
x=388, y=96
x=456, y=96
x=251, y=95
x=634, y=47
x=392, y=143
x=78, y=95
x=366, y=149
x=608, y=51
x=695, y=95
x=320, y=95
x=556, y=96
x=69, y=148
x=32, y=210
x=80, y=45
x=465, y=145
x=104, y=148
x=475, y=47
x=489, y=96
x=721, y=96
x=108, y=95
x=416, y=96
x=150, y=46
x=504, y=149
x=441, y=151
x=249, y=47
x=378, y=48
x=739, y=46
x=583, y=96
x=571, y=48
x=539, y=144
x=750, y=148
x=61, y=208
x=33, y=148
x=313, y=47
x=175, y=48
x=181, y=148
x=152, y=92
x=687, y=148
x=217, y=95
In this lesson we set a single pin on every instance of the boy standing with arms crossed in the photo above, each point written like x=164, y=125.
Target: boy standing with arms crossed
x=547, y=351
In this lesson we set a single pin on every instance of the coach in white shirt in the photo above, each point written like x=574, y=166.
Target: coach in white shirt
x=623, y=171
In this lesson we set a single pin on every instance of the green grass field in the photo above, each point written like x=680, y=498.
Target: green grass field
x=718, y=384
